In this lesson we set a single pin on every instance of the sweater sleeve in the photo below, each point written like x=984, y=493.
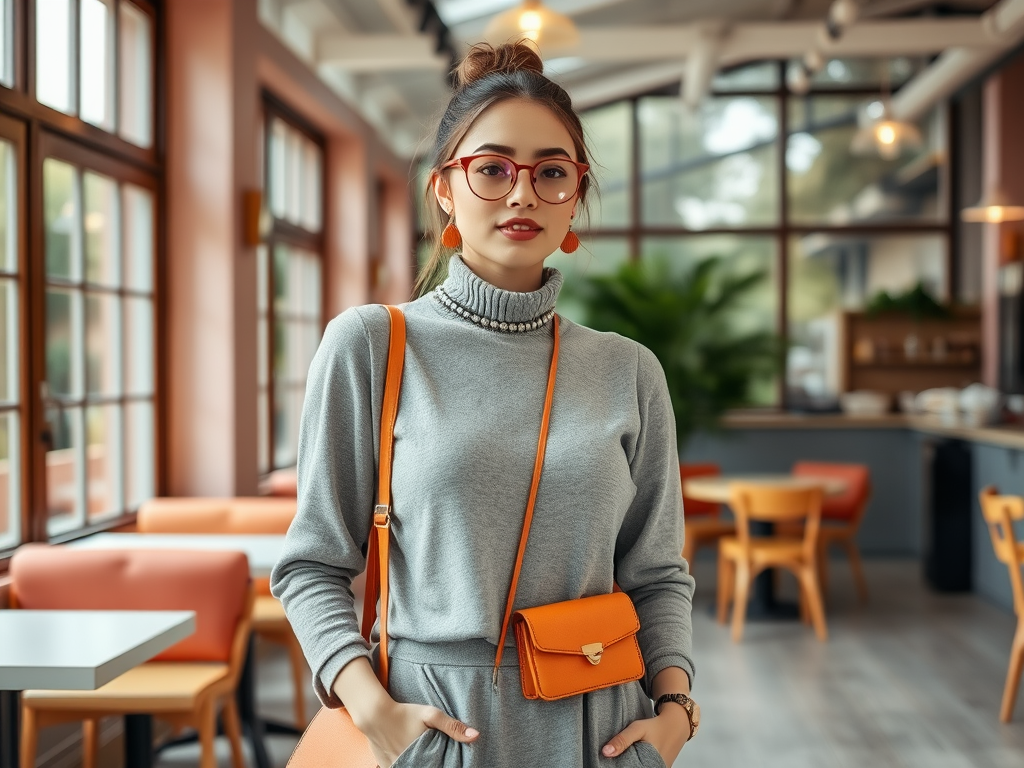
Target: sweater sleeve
x=326, y=544
x=649, y=566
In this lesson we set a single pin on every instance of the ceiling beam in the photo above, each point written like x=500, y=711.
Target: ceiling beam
x=380, y=53
x=742, y=42
x=401, y=14
x=621, y=85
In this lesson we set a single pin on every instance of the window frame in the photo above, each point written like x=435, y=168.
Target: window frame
x=283, y=232
x=47, y=133
x=783, y=231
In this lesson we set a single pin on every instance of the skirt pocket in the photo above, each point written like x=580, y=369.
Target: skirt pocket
x=422, y=752
x=650, y=757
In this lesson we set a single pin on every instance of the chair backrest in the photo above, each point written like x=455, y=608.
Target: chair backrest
x=213, y=584
x=696, y=507
x=255, y=514
x=1000, y=512
x=852, y=502
x=776, y=504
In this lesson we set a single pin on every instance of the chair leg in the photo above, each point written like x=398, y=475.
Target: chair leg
x=739, y=600
x=207, y=734
x=1012, y=674
x=858, y=569
x=726, y=578
x=298, y=663
x=29, y=737
x=823, y=565
x=233, y=728
x=90, y=742
x=810, y=582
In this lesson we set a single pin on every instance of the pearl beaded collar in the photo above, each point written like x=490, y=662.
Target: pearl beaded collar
x=454, y=307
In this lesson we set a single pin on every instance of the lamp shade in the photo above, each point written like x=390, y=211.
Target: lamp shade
x=993, y=208
x=550, y=31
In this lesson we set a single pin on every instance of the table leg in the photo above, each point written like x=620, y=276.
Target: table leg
x=10, y=709
x=252, y=725
x=138, y=741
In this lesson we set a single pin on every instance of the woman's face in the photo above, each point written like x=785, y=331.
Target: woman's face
x=506, y=241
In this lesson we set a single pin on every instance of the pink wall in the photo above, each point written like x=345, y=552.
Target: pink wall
x=219, y=57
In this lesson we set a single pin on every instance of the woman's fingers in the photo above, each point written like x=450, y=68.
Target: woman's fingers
x=631, y=734
x=443, y=722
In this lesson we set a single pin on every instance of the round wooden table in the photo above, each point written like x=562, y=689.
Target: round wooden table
x=718, y=489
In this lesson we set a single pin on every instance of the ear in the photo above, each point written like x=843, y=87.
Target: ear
x=443, y=194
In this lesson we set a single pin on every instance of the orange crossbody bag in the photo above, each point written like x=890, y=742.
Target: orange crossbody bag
x=565, y=649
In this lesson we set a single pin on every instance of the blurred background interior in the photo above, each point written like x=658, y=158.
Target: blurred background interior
x=811, y=210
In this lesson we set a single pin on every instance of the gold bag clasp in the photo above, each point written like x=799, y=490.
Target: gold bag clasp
x=593, y=652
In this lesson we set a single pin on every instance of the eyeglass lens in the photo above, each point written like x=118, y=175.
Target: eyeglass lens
x=492, y=177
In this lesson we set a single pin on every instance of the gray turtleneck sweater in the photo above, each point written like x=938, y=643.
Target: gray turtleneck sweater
x=609, y=508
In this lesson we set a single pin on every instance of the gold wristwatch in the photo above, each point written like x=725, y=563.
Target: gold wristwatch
x=692, y=709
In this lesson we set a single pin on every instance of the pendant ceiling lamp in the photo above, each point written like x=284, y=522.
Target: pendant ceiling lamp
x=886, y=136
x=530, y=20
x=993, y=208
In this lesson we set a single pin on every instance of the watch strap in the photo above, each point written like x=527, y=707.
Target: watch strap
x=686, y=703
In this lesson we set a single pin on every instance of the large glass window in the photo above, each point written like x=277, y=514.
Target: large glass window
x=76, y=50
x=10, y=351
x=99, y=338
x=767, y=180
x=290, y=286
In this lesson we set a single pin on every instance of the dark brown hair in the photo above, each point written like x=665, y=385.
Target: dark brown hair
x=486, y=76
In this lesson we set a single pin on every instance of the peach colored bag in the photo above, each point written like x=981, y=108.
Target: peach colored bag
x=564, y=648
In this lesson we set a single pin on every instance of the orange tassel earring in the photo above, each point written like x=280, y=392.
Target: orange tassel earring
x=451, y=237
x=570, y=242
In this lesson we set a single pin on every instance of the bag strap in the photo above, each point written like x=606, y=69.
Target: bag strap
x=380, y=535
x=538, y=465
x=377, y=557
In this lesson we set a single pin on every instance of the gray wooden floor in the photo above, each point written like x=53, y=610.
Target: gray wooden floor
x=914, y=679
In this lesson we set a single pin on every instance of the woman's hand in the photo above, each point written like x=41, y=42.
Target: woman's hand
x=391, y=727
x=394, y=727
x=667, y=733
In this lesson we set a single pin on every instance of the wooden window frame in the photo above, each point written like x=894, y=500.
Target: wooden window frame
x=284, y=232
x=50, y=133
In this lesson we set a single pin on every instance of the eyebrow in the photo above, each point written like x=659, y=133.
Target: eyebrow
x=502, y=149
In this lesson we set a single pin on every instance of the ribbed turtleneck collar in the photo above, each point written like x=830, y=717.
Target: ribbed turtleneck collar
x=481, y=298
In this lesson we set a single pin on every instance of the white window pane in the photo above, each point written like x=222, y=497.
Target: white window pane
x=262, y=352
x=7, y=43
x=61, y=211
x=138, y=238
x=277, y=183
x=8, y=342
x=103, y=344
x=8, y=208
x=136, y=76
x=311, y=186
x=64, y=374
x=293, y=178
x=65, y=480
x=263, y=430
x=261, y=279
x=10, y=480
x=104, y=461
x=140, y=472
x=54, y=54
x=102, y=230
x=138, y=347
x=310, y=342
x=313, y=289
x=96, y=67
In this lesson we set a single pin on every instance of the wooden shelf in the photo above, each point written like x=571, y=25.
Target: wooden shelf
x=915, y=364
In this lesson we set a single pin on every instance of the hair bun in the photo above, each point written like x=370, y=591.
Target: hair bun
x=484, y=59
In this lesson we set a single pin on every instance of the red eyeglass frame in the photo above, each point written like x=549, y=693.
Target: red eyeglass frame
x=463, y=162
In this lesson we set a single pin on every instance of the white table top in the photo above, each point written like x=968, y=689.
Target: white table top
x=716, y=488
x=82, y=650
x=263, y=550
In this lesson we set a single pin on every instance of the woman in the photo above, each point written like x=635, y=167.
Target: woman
x=477, y=356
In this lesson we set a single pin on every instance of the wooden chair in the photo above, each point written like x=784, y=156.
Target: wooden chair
x=1000, y=512
x=841, y=515
x=742, y=557
x=704, y=520
x=240, y=515
x=186, y=684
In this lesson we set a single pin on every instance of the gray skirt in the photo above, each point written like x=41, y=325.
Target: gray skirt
x=514, y=731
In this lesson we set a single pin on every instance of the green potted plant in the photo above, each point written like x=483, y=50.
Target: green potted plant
x=684, y=319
